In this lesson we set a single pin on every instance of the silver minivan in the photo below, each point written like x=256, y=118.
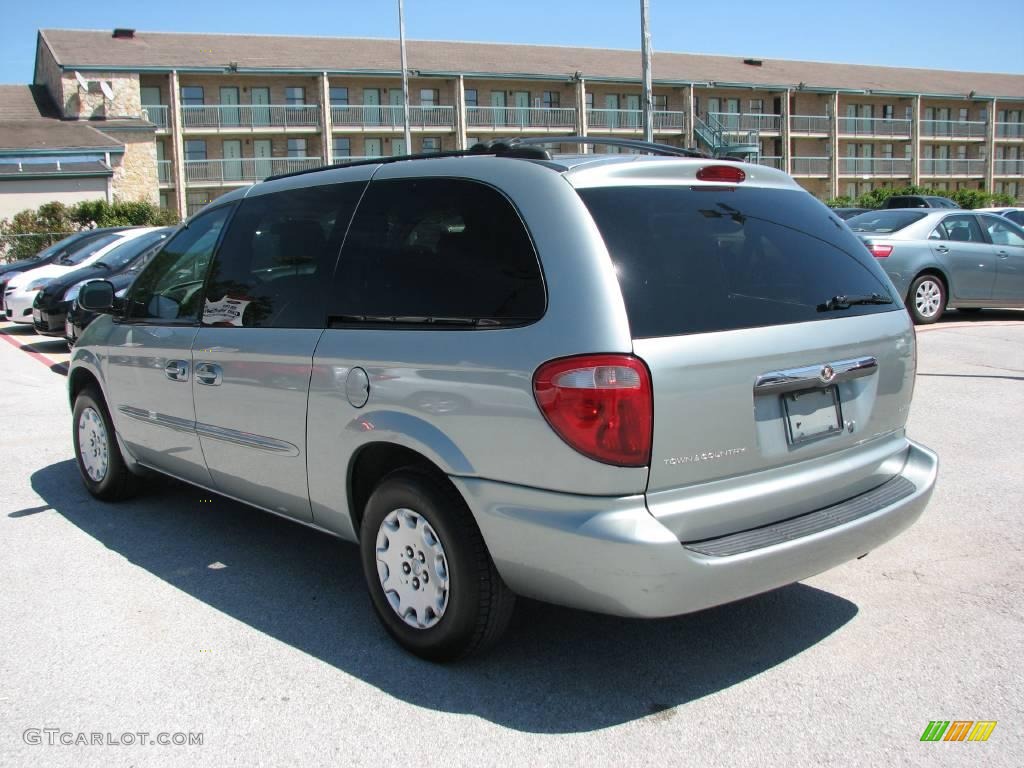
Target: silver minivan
x=633, y=384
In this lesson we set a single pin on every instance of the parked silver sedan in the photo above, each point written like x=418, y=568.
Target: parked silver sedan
x=941, y=258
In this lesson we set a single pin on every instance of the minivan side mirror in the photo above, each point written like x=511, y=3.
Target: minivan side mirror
x=97, y=296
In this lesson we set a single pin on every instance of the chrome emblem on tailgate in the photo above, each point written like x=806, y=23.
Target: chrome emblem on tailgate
x=693, y=458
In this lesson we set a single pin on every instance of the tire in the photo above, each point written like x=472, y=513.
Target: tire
x=926, y=299
x=96, y=451
x=409, y=509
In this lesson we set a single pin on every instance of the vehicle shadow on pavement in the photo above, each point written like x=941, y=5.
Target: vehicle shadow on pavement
x=556, y=671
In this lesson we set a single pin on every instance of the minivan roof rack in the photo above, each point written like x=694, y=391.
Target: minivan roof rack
x=527, y=148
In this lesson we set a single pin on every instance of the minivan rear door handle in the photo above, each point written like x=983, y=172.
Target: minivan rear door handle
x=176, y=370
x=209, y=374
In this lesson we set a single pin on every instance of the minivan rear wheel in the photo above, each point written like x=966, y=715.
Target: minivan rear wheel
x=927, y=299
x=98, y=456
x=431, y=579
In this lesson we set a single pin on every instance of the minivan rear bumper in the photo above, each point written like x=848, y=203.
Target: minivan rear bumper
x=611, y=555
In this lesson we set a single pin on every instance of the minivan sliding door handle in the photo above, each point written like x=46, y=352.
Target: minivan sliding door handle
x=176, y=370
x=209, y=374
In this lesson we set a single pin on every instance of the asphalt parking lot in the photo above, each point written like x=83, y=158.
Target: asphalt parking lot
x=179, y=612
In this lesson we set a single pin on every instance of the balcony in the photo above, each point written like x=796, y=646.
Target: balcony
x=953, y=129
x=874, y=166
x=244, y=170
x=522, y=118
x=952, y=167
x=1008, y=167
x=362, y=116
x=772, y=161
x=633, y=120
x=156, y=114
x=163, y=171
x=810, y=166
x=733, y=122
x=244, y=117
x=1010, y=130
x=881, y=127
x=810, y=125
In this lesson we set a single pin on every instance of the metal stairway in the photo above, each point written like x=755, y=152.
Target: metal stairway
x=722, y=141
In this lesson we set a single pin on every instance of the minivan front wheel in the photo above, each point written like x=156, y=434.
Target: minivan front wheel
x=927, y=299
x=98, y=457
x=431, y=579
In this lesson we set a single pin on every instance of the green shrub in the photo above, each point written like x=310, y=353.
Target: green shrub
x=839, y=202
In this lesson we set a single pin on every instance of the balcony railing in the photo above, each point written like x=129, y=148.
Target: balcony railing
x=1008, y=167
x=163, y=171
x=953, y=129
x=1010, y=130
x=156, y=114
x=810, y=166
x=772, y=161
x=733, y=122
x=633, y=120
x=390, y=116
x=806, y=124
x=245, y=169
x=521, y=117
x=874, y=126
x=246, y=116
x=874, y=166
x=952, y=167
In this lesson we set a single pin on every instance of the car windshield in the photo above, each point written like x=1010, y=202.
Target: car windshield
x=79, y=255
x=884, y=222
x=122, y=255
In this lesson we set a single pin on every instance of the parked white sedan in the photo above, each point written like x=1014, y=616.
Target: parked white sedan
x=21, y=291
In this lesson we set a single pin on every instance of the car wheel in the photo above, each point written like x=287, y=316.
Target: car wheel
x=927, y=299
x=431, y=579
x=99, y=458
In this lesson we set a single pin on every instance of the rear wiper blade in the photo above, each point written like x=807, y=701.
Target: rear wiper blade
x=845, y=302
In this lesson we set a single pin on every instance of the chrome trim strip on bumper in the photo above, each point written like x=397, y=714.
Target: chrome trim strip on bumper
x=811, y=376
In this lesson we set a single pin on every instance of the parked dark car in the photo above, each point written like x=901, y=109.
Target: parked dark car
x=846, y=213
x=49, y=310
x=58, y=250
x=919, y=201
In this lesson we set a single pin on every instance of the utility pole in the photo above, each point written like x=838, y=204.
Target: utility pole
x=405, y=78
x=645, y=49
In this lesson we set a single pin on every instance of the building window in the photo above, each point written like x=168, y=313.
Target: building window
x=297, y=148
x=294, y=96
x=964, y=114
x=551, y=99
x=431, y=144
x=908, y=151
x=661, y=103
x=163, y=201
x=590, y=100
x=887, y=151
x=428, y=97
x=851, y=189
x=756, y=106
x=472, y=141
x=887, y=111
x=342, y=148
x=339, y=97
x=191, y=96
x=195, y=149
x=471, y=97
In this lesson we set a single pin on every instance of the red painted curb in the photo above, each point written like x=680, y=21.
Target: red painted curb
x=12, y=340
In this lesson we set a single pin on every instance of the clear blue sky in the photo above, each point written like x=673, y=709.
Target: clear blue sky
x=944, y=34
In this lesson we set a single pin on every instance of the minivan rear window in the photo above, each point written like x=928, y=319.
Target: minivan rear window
x=885, y=222
x=703, y=259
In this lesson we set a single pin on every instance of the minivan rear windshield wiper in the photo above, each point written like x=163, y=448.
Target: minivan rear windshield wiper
x=845, y=302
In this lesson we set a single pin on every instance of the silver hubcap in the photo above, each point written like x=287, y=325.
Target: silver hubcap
x=928, y=298
x=412, y=568
x=92, y=444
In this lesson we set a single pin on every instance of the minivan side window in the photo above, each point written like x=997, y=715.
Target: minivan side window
x=278, y=257
x=437, y=253
x=169, y=288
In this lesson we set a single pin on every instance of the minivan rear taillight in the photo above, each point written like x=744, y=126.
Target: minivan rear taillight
x=880, y=251
x=601, y=405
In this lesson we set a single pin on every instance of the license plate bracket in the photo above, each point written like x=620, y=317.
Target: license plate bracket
x=812, y=414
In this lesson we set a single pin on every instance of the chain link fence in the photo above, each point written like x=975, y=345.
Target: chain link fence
x=14, y=247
